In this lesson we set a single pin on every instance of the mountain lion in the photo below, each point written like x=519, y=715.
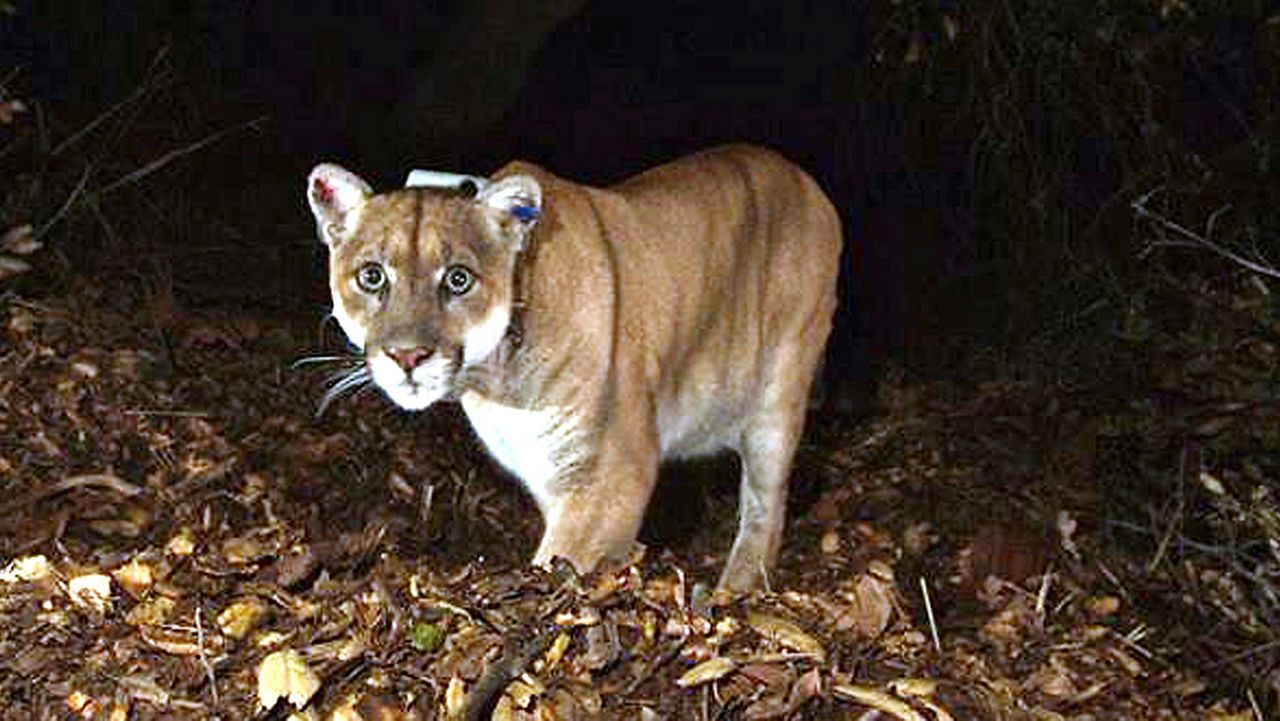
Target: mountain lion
x=591, y=332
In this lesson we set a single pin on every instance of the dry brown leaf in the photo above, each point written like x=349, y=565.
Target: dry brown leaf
x=523, y=692
x=1053, y=680
x=556, y=651
x=27, y=568
x=135, y=577
x=91, y=591
x=710, y=670
x=786, y=634
x=10, y=266
x=828, y=507
x=870, y=605
x=602, y=647
x=768, y=674
x=10, y=109
x=830, y=542
x=183, y=544
x=767, y=708
x=180, y=640
x=285, y=674
x=241, y=617
x=1103, y=607
x=1131, y=665
x=1007, y=551
x=455, y=697
x=244, y=550
x=1009, y=625
x=82, y=704
x=876, y=699
x=19, y=240
x=151, y=612
x=918, y=538
x=504, y=710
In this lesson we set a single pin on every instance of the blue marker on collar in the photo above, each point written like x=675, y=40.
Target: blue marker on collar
x=525, y=213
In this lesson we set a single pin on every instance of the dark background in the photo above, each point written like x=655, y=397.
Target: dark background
x=596, y=91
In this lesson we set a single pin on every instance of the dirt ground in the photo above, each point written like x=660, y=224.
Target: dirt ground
x=185, y=538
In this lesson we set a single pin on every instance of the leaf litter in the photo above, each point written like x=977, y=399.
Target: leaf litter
x=181, y=538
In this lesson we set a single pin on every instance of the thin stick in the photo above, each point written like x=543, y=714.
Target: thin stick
x=141, y=91
x=174, y=414
x=1253, y=704
x=1043, y=596
x=102, y=480
x=1196, y=239
x=521, y=650
x=424, y=510
x=176, y=153
x=928, y=609
x=204, y=660
x=66, y=204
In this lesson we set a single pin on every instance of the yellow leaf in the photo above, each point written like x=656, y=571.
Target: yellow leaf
x=455, y=697
x=92, y=591
x=713, y=669
x=786, y=634
x=241, y=617
x=285, y=674
x=27, y=568
x=135, y=577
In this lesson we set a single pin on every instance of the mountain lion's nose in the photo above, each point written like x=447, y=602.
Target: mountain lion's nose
x=409, y=358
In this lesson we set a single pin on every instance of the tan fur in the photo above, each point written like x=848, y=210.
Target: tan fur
x=679, y=313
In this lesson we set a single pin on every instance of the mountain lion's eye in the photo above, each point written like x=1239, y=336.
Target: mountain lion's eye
x=371, y=277
x=458, y=280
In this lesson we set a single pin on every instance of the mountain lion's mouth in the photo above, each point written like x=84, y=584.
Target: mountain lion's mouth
x=415, y=389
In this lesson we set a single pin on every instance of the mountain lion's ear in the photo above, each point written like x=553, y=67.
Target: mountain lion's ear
x=514, y=203
x=333, y=193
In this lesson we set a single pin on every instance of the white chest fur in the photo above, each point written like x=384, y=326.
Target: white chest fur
x=536, y=445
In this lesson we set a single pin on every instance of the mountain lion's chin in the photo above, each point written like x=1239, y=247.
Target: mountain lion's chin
x=414, y=397
x=427, y=384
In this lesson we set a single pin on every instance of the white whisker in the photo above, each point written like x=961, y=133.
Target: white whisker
x=313, y=360
x=341, y=383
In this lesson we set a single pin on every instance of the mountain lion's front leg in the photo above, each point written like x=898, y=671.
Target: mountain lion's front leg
x=597, y=514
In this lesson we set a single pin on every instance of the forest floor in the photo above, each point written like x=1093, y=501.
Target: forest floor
x=185, y=538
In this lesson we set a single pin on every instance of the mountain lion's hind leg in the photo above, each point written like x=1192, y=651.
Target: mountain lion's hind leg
x=766, y=448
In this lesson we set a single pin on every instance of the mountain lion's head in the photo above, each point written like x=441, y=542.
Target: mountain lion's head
x=422, y=279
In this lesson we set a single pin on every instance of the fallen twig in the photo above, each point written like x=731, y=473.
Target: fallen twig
x=1191, y=239
x=928, y=608
x=204, y=659
x=516, y=657
x=105, y=480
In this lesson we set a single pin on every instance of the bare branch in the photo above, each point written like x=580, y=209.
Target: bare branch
x=1191, y=238
x=176, y=153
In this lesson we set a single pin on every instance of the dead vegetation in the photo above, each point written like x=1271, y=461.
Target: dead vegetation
x=186, y=540
x=1081, y=523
